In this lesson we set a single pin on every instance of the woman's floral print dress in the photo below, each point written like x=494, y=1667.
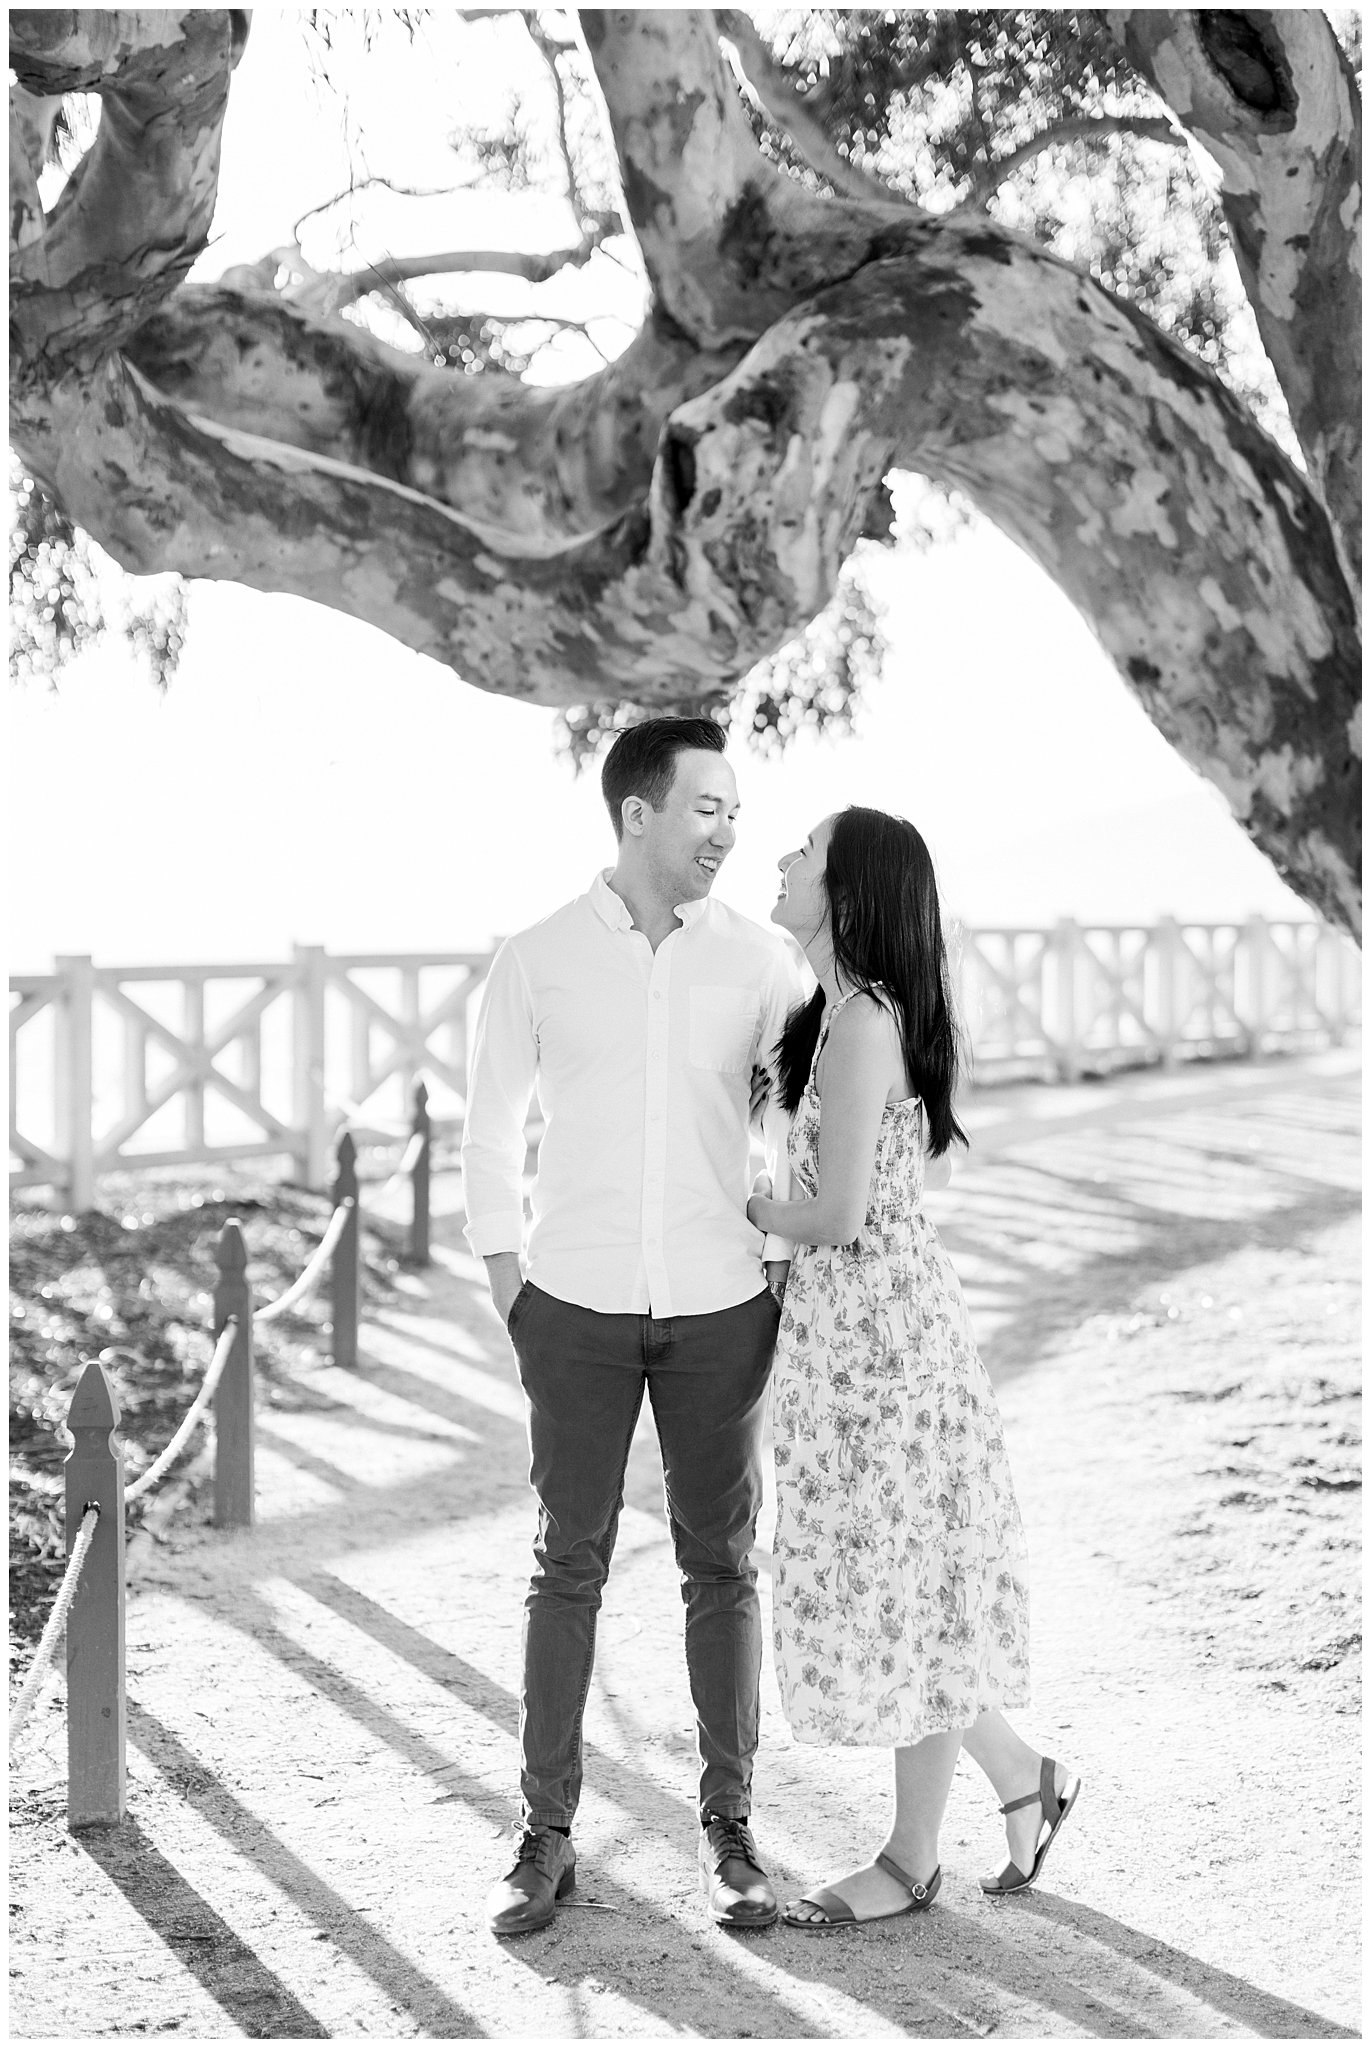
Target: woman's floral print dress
x=900, y=1582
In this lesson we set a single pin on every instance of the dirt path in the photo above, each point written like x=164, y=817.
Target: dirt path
x=322, y=1713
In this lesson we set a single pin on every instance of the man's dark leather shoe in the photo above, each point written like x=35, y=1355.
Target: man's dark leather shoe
x=544, y=1871
x=737, y=1889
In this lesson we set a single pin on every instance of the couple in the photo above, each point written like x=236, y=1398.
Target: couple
x=654, y=1023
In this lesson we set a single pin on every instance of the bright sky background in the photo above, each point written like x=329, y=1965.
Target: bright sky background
x=306, y=778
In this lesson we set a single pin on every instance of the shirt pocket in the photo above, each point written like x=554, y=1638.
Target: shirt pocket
x=723, y=1027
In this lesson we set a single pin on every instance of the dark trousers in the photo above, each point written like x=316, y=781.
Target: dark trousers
x=584, y=1374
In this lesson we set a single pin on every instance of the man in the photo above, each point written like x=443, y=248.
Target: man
x=640, y=1010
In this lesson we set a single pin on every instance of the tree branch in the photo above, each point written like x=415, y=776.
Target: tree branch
x=1273, y=99
x=729, y=242
x=31, y=122
x=548, y=50
x=1199, y=556
x=793, y=115
x=541, y=465
x=137, y=210
x=656, y=529
x=363, y=185
x=973, y=90
x=322, y=293
x=1083, y=128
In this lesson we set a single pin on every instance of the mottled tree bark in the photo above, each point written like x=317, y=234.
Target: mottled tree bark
x=137, y=211
x=654, y=531
x=1273, y=99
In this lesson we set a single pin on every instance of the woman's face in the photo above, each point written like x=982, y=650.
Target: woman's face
x=802, y=905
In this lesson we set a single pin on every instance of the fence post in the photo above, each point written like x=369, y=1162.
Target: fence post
x=1259, y=993
x=420, y=1178
x=309, y=1108
x=1170, y=945
x=235, y=1428
x=75, y=1097
x=1063, y=947
x=1338, y=952
x=95, y=1623
x=345, y=1266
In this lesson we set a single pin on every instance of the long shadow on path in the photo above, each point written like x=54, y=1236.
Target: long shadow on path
x=252, y=1995
x=1109, y=1990
x=1276, y=2019
x=352, y=1933
x=1044, y=1963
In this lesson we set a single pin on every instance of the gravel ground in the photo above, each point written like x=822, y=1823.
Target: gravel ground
x=322, y=1712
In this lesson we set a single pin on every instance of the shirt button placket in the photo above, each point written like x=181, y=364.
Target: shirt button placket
x=654, y=1160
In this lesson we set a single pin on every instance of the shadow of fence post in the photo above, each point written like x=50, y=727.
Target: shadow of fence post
x=95, y=1623
x=234, y=1404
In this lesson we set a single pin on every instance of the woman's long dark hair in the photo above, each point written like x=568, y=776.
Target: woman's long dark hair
x=888, y=941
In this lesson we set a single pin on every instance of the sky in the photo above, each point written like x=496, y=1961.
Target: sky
x=307, y=779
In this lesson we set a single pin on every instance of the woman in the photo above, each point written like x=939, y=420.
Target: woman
x=901, y=1608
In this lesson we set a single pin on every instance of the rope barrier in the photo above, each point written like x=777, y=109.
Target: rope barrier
x=146, y=1482
x=299, y=1288
x=223, y=1351
x=407, y=1165
x=57, y=1621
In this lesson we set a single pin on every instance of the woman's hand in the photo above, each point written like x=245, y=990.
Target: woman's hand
x=777, y=1273
x=760, y=1095
x=761, y=1193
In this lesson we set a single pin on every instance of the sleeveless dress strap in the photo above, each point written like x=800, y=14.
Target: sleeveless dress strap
x=822, y=1040
x=828, y=1016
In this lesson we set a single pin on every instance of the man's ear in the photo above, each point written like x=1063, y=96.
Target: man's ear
x=633, y=812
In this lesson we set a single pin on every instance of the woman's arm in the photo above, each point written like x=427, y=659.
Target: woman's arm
x=863, y=1060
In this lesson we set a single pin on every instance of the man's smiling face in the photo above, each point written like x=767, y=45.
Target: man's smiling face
x=687, y=841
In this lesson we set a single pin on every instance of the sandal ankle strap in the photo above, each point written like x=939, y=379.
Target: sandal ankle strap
x=1045, y=1796
x=911, y=1884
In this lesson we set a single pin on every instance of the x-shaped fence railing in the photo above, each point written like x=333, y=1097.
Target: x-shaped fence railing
x=117, y=1069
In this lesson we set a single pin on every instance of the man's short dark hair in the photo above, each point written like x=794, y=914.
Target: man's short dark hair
x=642, y=761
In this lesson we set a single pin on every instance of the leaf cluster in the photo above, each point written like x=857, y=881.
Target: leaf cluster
x=65, y=595
x=936, y=102
x=929, y=99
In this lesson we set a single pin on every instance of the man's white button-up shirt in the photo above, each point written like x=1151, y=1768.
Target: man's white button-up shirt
x=643, y=1065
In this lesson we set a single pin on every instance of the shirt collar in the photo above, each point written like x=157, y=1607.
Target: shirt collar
x=611, y=907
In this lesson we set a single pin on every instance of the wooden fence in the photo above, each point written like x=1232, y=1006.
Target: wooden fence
x=113, y=1069
x=1078, y=999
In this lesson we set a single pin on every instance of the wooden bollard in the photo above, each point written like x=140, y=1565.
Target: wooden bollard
x=235, y=1427
x=420, y=1178
x=95, y=1623
x=346, y=1265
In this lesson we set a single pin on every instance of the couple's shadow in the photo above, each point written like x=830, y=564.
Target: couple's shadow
x=1031, y=1967
x=1039, y=1966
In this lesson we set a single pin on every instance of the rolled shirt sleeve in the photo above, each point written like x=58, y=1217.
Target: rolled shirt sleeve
x=500, y=1082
